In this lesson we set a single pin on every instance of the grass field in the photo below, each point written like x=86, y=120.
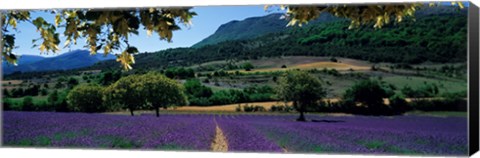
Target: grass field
x=36, y=99
x=416, y=82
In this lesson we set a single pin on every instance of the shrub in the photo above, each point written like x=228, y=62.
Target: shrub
x=180, y=73
x=427, y=90
x=247, y=66
x=199, y=101
x=221, y=97
x=253, y=108
x=366, y=97
x=27, y=104
x=44, y=106
x=196, y=89
x=281, y=108
x=238, y=108
x=333, y=59
x=398, y=104
x=7, y=104
x=86, y=98
x=439, y=105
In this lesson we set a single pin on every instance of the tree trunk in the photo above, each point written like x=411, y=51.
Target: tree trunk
x=131, y=112
x=157, y=111
x=302, y=117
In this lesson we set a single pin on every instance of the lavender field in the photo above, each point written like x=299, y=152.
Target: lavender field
x=411, y=135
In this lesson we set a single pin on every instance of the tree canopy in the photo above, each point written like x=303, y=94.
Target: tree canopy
x=302, y=89
x=86, y=98
x=124, y=94
x=160, y=91
x=109, y=30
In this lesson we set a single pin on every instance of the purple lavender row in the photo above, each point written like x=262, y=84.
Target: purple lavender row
x=107, y=131
x=397, y=135
x=243, y=137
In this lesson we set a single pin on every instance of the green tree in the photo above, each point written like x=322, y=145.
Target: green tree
x=7, y=104
x=197, y=93
x=125, y=93
x=43, y=92
x=58, y=85
x=86, y=98
x=6, y=93
x=59, y=100
x=109, y=77
x=53, y=97
x=303, y=89
x=72, y=82
x=194, y=88
x=369, y=94
x=28, y=104
x=160, y=91
x=247, y=66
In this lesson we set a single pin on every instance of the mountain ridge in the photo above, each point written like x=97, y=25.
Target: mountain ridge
x=252, y=27
x=65, y=61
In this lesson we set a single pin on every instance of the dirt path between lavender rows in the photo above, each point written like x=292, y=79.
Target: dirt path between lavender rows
x=220, y=141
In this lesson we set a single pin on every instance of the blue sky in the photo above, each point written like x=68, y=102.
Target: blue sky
x=207, y=21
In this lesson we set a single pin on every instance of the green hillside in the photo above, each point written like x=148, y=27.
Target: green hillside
x=435, y=36
x=253, y=27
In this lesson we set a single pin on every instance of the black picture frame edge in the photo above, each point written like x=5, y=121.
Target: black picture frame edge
x=473, y=78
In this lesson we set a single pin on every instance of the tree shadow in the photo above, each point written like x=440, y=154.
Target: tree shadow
x=328, y=121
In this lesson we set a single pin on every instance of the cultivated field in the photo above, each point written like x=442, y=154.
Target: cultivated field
x=417, y=135
x=306, y=63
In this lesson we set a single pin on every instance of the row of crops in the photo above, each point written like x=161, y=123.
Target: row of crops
x=244, y=133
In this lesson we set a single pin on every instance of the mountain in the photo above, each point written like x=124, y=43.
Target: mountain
x=24, y=59
x=437, y=35
x=252, y=27
x=66, y=61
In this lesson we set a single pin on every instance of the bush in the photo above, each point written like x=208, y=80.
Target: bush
x=238, y=108
x=333, y=59
x=86, y=98
x=221, y=97
x=427, y=90
x=197, y=93
x=58, y=101
x=253, y=108
x=281, y=108
x=259, y=93
x=43, y=106
x=27, y=104
x=439, y=105
x=366, y=97
x=398, y=104
x=247, y=66
x=228, y=97
x=7, y=104
x=199, y=101
x=180, y=73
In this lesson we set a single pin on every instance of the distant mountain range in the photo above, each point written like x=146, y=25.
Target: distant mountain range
x=253, y=27
x=24, y=59
x=66, y=61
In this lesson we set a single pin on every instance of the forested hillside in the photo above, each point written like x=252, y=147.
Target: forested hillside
x=254, y=27
x=433, y=36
